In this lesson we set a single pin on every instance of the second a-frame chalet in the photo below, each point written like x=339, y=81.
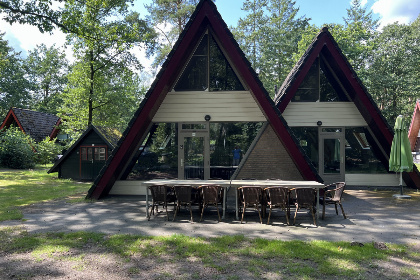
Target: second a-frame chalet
x=204, y=88
x=336, y=120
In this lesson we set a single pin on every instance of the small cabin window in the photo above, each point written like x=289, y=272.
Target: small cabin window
x=100, y=154
x=208, y=70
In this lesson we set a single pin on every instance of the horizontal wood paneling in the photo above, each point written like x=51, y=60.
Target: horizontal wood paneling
x=238, y=106
x=384, y=180
x=330, y=113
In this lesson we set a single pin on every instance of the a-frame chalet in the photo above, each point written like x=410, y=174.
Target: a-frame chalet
x=207, y=81
x=414, y=133
x=336, y=120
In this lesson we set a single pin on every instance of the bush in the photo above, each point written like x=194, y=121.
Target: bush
x=46, y=151
x=15, y=149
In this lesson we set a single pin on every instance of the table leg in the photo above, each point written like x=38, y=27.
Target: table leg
x=317, y=205
x=224, y=202
x=236, y=204
x=147, y=203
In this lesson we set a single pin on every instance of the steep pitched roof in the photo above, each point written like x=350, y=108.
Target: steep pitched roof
x=325, y=44
x=109, y=136
x=205, y=16
x=414, y=126
x=37, y=125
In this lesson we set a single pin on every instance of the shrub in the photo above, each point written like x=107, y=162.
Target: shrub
x=46, y=151
x=15, y=149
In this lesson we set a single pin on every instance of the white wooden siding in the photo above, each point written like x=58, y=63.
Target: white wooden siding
x=127, y=187
x=330, y=113
x=384, y=180
x=238, y=106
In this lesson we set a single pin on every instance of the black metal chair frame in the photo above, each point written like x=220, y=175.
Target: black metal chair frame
x=250, y=196
x=333, y=196
x=278, y=197
x=211, y=195
x=183, y=194
x=160, y=197
x=305, y=198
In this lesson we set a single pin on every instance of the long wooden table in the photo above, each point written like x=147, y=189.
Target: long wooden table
x=227, y=184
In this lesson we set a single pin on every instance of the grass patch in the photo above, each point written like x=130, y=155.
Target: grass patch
x=291, y=259
x=26, y=187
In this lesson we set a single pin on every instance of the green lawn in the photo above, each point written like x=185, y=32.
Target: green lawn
x=229, y=257
x=25, y=187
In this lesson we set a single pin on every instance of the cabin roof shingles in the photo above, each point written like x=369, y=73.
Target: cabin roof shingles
x=38, y=125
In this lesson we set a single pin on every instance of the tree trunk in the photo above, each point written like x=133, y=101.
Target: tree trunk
x=91, y=89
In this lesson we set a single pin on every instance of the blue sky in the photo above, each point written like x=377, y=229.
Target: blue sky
x=25, y=37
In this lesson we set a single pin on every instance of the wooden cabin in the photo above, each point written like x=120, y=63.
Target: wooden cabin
x=414, y=133
x=38, y=125
x=207, y=86
x=86, y=157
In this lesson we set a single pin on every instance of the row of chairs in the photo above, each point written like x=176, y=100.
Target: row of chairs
x=186, y=195
x=285, y=198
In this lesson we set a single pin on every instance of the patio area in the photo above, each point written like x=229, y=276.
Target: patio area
x=372, y=215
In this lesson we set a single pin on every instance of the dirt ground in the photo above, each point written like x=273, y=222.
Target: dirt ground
x=95, y=262
x=372, y=215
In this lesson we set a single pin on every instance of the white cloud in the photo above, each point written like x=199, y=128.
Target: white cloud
x=24, y=37
x=403, y=11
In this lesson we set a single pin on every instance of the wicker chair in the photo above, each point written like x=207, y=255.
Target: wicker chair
x=333, y=196
x=250, y=196
x=278, y=197
x=305, y=198
x=210, y=196
x=184, y=197
x=160, y=196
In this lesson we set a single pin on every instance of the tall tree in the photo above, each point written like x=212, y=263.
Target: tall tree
x=269, y=35
x=249, y=33
x=169, y=18
x=107, y=34
x=14, y=87
x=360, y=30
x=394, y=72
x=47, y=70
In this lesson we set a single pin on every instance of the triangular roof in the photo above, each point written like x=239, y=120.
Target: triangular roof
x=37, y=125
x=205, y=16
x=109, y=136
x=414, y=126
x=325, y=44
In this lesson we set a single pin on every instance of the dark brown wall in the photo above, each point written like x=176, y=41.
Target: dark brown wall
x=269, y=159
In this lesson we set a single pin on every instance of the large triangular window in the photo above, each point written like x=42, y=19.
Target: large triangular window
x=320, y=85
x=208, y=70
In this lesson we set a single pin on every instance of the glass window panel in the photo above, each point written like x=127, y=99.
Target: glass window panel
x=360, y=157
x=192, y=126
x=331, y=156
x=89, y=154
x=84, y=153
x=194, y=157
x=222, y=76
x=333, y=129
x=308, y=90
x=308, y=139
x=100, y=153
x=194, y=76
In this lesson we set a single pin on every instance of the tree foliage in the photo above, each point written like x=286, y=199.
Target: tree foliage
x=15, y=149
x=102, y=79
x=14, y=87
x=47, y=70
x=394, y=73
x=46, y=151
x=169, y=18
x=269, y=36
